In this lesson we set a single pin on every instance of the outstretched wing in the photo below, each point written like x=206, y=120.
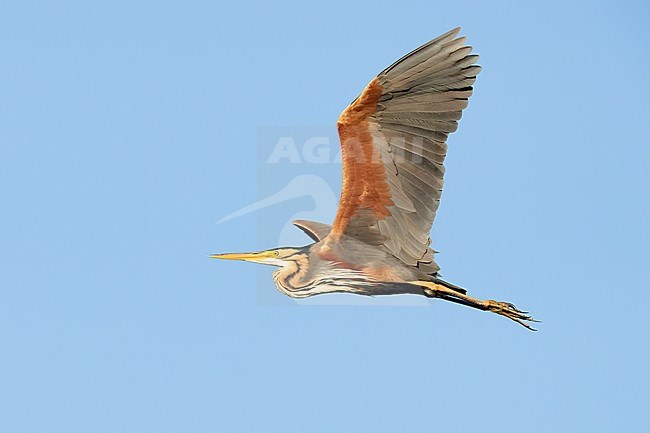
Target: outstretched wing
x=393, y=140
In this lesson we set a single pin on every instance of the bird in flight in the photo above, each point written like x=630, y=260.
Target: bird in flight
x=393, y=145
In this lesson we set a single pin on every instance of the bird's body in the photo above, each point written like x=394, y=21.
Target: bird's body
x=341, y=271
x=393, y=142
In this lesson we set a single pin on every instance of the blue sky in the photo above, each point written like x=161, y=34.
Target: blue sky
x=127, y=129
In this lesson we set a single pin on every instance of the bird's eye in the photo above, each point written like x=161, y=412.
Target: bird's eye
x=276, y=253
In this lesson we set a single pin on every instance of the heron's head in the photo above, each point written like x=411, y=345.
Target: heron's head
x=274, y=257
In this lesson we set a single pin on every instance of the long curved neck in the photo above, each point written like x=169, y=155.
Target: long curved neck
x=289, y=279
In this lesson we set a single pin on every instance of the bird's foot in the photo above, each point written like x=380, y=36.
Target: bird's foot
x=508, y=310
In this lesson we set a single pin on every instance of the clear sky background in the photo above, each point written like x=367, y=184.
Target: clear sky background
x=127, y=129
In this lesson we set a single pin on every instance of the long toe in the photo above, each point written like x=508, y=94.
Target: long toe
x=508, y=310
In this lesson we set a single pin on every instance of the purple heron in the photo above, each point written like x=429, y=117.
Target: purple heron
x=393, y=145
